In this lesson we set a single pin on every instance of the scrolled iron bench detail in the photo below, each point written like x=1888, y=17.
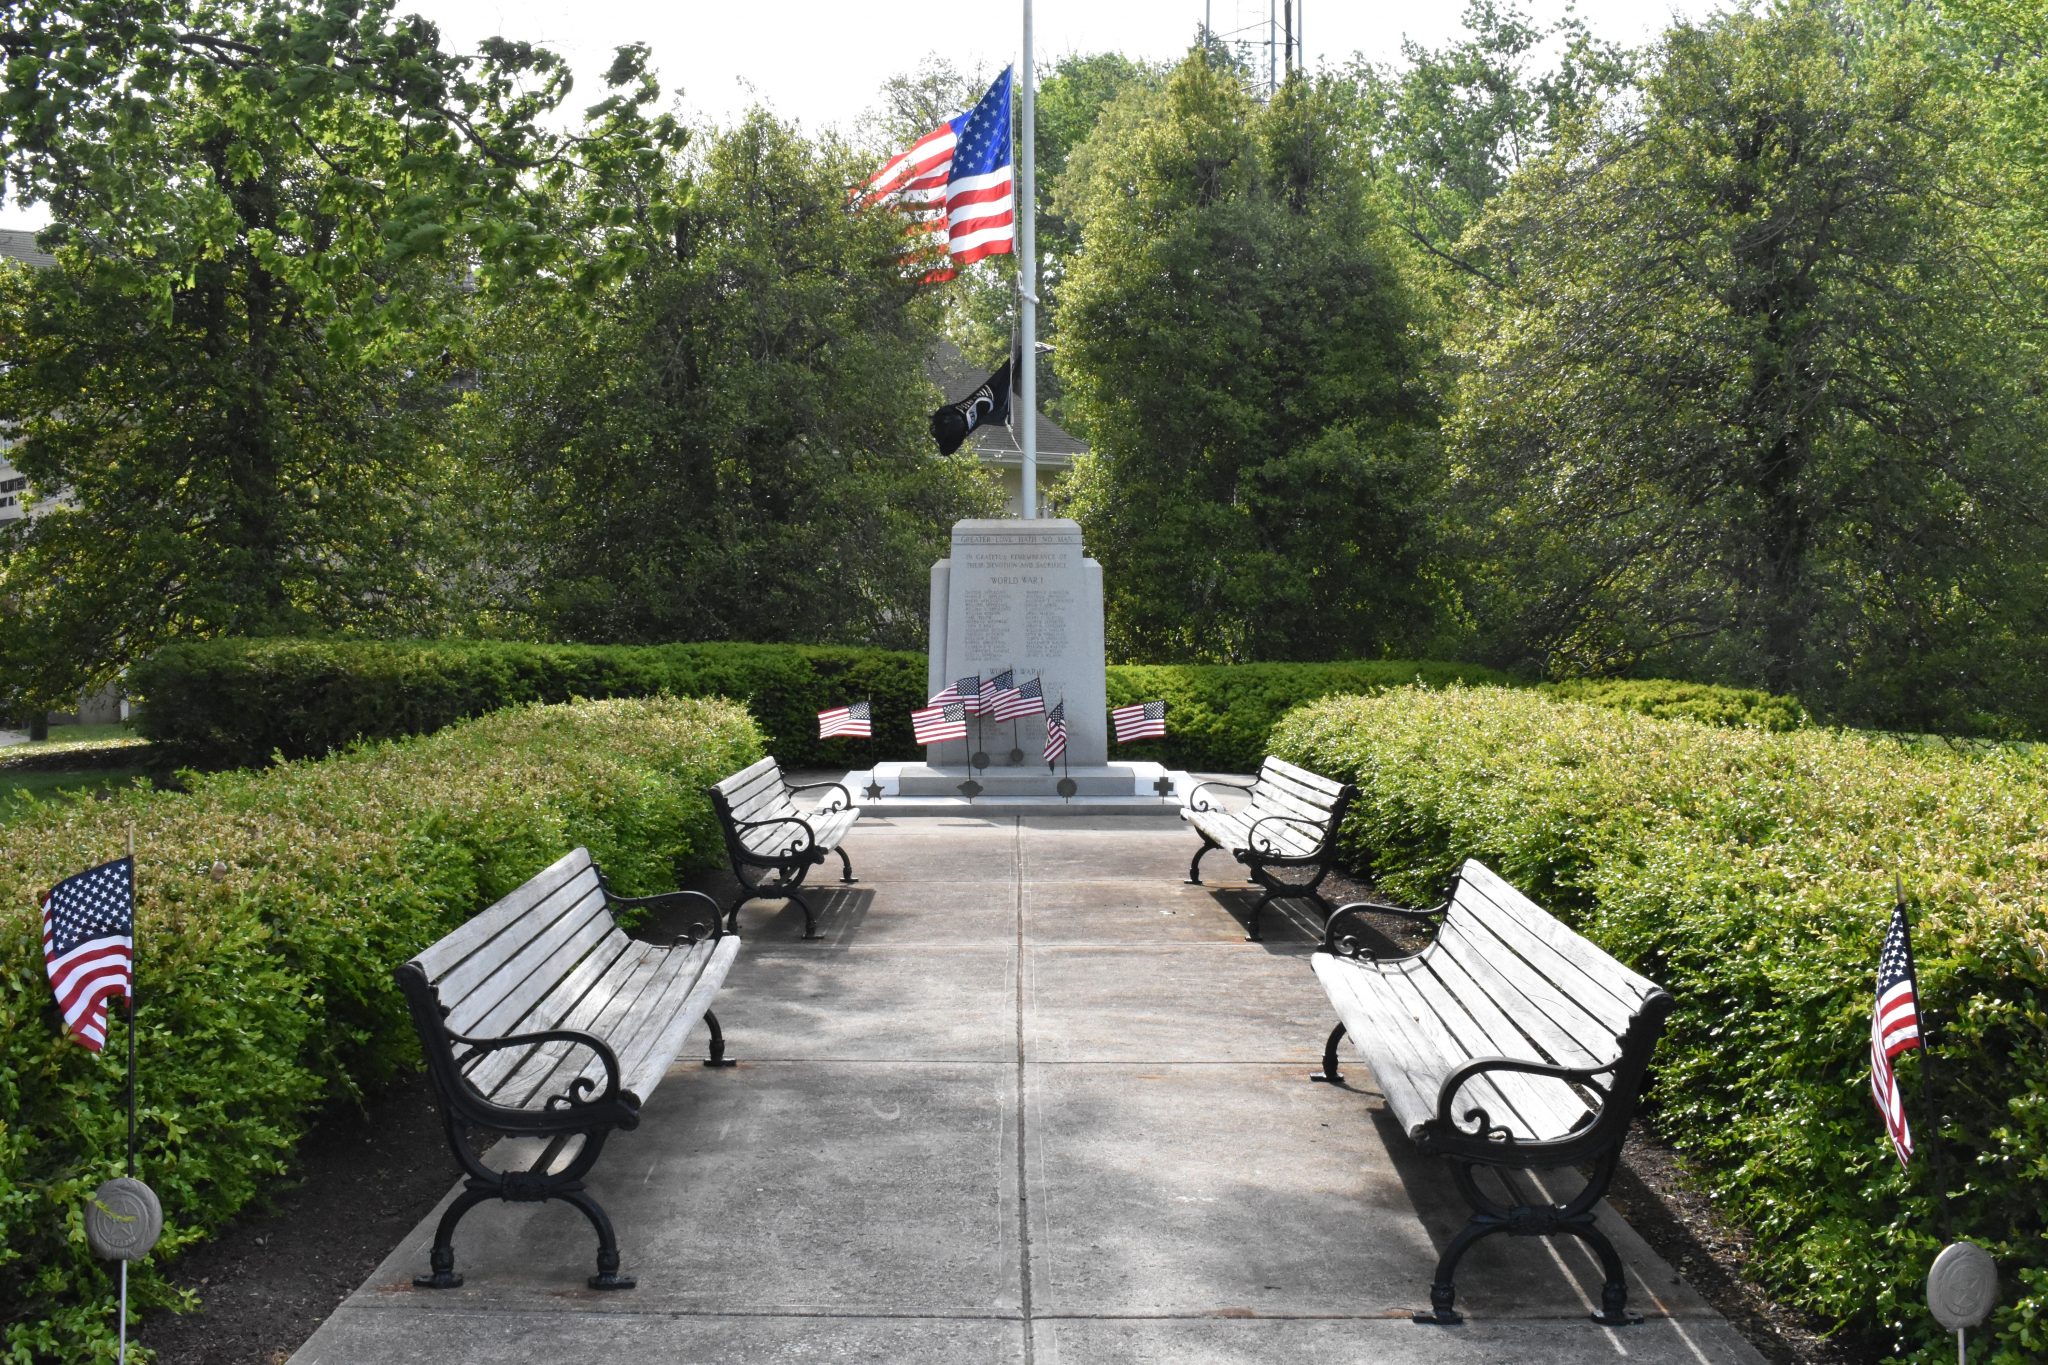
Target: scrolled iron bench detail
x=1508, y=1042
x=1290, y=820
x=542, y=1018
x=767, y=832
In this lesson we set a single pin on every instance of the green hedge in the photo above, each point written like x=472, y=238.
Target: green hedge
x=236, y=703
x=1219, y=716
x=269, y=992
x=230, y=703
x=1751, y=873
x=1702, y=702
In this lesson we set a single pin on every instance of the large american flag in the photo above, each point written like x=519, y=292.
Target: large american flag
x=957, y=183
x=1055, y=733
x=1894, y=1029
x=935, y=724
x=1146, y=720
x=1025, y=700
x=855, y=721
x=89, y=946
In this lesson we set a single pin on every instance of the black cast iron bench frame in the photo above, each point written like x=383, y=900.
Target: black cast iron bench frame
x=1291, y=820
x=768, y=833
x=1508, y=1042
x=591, y=1018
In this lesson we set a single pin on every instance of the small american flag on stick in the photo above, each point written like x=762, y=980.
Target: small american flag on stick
x=993, y=689
x=1027, y=700
x=855, y=721
x=935, y=724
x=89, y=946
x=1055, y=733
x=1146, y=720
x=967, y=692
x=1894, y=1029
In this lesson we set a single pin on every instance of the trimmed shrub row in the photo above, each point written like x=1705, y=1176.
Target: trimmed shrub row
x=269, y=991
x=236, y=703
x=1751, y=873
x=1702, y=702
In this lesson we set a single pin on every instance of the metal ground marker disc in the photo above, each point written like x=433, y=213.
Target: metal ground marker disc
x=1962, y=1285
x=123, y=1220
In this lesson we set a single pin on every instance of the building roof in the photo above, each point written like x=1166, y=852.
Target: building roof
x=19, y=244
x=957, y=376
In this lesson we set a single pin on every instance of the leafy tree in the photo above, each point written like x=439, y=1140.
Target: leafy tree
x=729, y=441
x=1757, y=401
x=263, y=215
x=1452, y=127
x=1236, y=342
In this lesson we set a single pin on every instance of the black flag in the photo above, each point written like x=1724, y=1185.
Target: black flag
x=988, y=404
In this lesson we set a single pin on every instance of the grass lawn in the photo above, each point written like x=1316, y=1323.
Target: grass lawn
x=76, y=760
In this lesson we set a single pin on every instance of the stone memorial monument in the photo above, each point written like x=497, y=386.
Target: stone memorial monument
x=1019, y=595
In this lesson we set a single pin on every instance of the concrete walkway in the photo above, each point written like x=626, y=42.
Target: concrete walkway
x=1030, y=1099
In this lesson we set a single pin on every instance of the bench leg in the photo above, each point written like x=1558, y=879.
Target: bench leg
x=1258, y=908
x=1329, y=1072
x=607, y=1276
x=1526, y=1219
x=442, y=1257
x=1195, y=867
x=845, y=867
x=717, y=1057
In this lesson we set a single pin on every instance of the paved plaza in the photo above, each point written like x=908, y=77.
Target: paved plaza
x=1029, y=1098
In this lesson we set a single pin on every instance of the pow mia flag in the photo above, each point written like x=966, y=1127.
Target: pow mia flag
x=988, y=404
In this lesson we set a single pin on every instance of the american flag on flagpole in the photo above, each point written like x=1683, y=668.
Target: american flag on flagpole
x=935, y=724
x=1146, y=720
x=89, y=946
x=1894, y=1029
x=1055, y=733
x=957, y=184
x=1025, y=700
x=855, y=721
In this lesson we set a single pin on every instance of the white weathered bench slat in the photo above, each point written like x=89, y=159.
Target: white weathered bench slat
x=637, y=1009
x=479, y=930
x=1593, y=1014
x=501, y=1002
x=1476, y=1026
x=1280, y=768
x=572, y=1002
x=601, y=1004
x=1625, y=987
x=1501, y=981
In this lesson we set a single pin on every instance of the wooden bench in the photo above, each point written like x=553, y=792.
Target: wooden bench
x=767, y=832
x=541, y=1017
x=1508, y=1042
x=1291, y=820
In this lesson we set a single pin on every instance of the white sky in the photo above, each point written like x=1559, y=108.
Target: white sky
x=822, y=62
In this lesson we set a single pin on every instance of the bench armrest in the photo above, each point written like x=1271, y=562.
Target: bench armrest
x=1251, y=835
x=1198, y=803
x=809, y=841
x=1350, y=945
x=845, y=796
x=579, y=1090
x=672, y=900
x=1483, y=1126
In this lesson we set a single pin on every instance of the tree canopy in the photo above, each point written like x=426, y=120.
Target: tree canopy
x=1235, y=343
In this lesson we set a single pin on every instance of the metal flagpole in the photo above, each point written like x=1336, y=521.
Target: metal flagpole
x=133, y=900
x=1027, y=278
